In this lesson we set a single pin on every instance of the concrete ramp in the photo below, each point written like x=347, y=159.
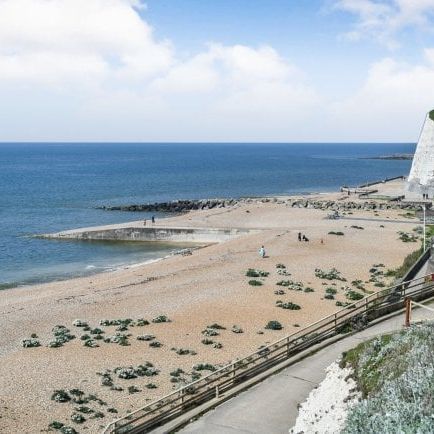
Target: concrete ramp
x=130, y=232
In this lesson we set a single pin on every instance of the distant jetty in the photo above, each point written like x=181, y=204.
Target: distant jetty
x=390, y=157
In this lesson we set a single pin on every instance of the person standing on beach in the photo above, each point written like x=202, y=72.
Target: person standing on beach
x=262, y=252
x=153, y=219
x=299, y=236
x=144, y=222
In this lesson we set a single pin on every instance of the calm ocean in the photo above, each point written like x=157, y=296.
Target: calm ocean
x=50, y=187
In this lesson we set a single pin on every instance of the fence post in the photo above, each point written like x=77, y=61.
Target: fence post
x=407, y=311
x=217, y=391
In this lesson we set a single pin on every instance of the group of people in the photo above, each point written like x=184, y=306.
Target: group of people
x=302, y=237
x=152, y=220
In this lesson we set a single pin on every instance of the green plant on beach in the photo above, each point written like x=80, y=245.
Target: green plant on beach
x=288, y=305
x=251, y=272
x=339, y=233
x=274, y=325
x=255, y=282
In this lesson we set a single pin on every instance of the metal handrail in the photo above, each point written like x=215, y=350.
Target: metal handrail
x=226, y=377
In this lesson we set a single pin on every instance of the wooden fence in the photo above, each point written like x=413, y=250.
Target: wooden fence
x=353, y=317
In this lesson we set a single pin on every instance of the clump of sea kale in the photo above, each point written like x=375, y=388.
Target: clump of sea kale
x=216, y=326
x=288, y=305
x=30, y=343
x=251, y=272
x=145, y=337
x=118, y=338
x=184, y=351
x=80, y=323
x=204, y=367
x=210, y=332
x=61, y=336
x=254, y=282
x=60, y=396
x=160, y=319
x=332, y=274
x=274, y=325
x=237, y=329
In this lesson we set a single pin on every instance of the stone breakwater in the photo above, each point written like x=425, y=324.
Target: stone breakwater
x=178, y=206
x=182, y=206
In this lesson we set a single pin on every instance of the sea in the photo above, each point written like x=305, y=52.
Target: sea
x=52, y=187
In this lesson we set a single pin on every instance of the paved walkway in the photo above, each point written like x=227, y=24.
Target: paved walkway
x=271, y=406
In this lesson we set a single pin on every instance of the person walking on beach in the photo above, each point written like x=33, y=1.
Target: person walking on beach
x=262, y=252
x=144, y=222
x=153, y=219
x=299, y=236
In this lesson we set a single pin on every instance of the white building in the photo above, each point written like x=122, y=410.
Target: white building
x=420, y=182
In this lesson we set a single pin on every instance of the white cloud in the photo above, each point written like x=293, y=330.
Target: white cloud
x=391, y=104
x=383, y=19
x=99, y=65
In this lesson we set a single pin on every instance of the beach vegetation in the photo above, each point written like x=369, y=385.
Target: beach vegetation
x=210, y=332
x=161, y=319
x=145, y=337
x=142, y=322
x=332, y=274
x=80, y=323
x=329, y=297
x=68, y=430
x=358, y=284
x=151, y=386
x=274, y=325
x=30, y=343
x=118, y=338
x=393, y=373
x=60, y=395
x=133, y=389
x=207, y=341
x=291, y=285
x=254, y=282
x=184, y=351
x=237, y=329
x=204, y=367
x=288, y=305
x=55, y=424
x=218, y=345
x=280, y=292
x=407, y=238
x=339, y=233
x=281, y=266
x=354, y=295
x=90, y=343
x=216, y=327
x=112, y=410
x=330, y=290
x=308, y=289
x=155, y=344
x=251, y=272
x=357, y=227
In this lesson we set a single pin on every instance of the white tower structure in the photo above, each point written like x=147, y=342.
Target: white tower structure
x=420, y=182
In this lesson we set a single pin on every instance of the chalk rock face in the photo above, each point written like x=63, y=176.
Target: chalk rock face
x=421, y=178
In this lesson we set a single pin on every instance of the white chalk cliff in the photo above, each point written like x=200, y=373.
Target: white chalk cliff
x=421, y=178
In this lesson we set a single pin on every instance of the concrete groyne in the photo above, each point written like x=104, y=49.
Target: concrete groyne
x=151, y=234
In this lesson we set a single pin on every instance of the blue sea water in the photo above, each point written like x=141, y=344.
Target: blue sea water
x=51, y=187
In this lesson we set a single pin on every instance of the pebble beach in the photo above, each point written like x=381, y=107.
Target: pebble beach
x=208, y=287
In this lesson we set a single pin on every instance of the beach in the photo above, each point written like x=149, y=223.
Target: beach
x=208, y=287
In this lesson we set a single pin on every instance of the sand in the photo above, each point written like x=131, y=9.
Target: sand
x=194, y=291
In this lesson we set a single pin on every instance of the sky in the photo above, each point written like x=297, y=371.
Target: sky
x=215, y=70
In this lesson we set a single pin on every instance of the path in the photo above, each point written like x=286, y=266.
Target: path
x=271, y=406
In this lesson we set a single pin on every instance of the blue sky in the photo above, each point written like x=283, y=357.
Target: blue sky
x=216, y=70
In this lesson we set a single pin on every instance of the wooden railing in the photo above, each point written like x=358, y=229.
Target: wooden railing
x=352, y=318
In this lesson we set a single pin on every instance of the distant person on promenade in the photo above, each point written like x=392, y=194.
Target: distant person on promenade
x=144, y=222
x=299, y=236
x=262, y=252
x=153, y=219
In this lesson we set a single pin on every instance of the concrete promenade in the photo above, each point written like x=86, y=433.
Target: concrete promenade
x=271, y=406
